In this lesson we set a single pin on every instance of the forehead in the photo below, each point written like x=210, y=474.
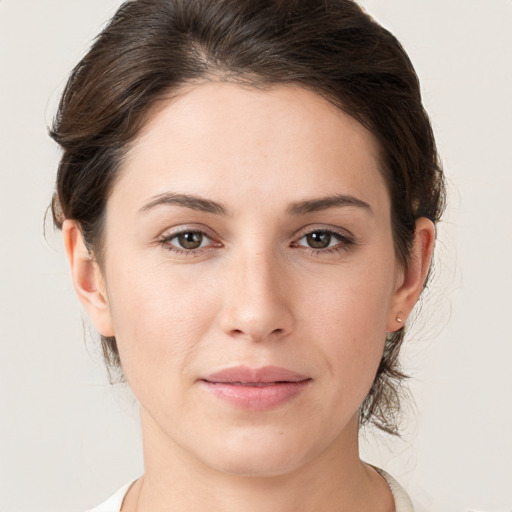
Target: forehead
x=244, y=141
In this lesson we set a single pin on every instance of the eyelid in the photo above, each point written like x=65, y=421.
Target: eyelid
x=345, y=241
x=346, y=238
x=313, y=228
x=187, y=228
x=169, y=234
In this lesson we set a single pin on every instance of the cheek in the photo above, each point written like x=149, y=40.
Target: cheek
x=354, y=299
x=347, y=316
x=159, y=317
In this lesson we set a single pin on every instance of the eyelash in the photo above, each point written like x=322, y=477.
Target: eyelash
x=347, y=242
x=165, y=242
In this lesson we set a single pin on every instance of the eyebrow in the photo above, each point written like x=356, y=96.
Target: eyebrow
x=297, y=208
x=324, y=203
x=188, y=201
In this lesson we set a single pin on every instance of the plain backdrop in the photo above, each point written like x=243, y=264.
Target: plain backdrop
x=68, y=439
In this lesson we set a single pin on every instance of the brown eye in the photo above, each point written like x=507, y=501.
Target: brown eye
x=325, y=241
x=319, y=239
x=190, y=240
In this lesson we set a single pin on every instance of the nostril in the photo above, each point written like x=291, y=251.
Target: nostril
x=257, y=323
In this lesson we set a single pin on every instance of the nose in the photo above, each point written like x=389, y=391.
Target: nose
x=256, y=298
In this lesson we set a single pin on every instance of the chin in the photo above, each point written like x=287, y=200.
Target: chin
x=263, y=457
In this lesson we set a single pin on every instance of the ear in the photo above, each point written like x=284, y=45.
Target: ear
x=87, y=279
x=411, y=280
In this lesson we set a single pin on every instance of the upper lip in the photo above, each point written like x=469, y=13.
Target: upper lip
x=246, y=375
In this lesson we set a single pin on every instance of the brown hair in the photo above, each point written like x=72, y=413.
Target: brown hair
x=151, y=48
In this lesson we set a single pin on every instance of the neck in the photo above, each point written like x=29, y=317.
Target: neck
x=176, y=480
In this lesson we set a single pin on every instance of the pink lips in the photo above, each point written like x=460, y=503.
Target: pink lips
x=257, y=389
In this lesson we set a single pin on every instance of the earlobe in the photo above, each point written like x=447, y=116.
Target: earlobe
x=413, y=277
x=87, y=279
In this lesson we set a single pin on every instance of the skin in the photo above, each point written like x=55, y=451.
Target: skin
x=254, y=293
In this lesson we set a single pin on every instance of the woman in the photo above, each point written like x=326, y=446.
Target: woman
x=247, y=194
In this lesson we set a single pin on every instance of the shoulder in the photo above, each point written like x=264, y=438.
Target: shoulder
x=113, y=504
x=402, y=501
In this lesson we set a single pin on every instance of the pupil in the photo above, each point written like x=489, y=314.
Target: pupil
x=319, y=240
x=190, y=240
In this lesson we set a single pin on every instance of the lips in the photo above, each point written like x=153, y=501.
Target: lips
x=258, y=389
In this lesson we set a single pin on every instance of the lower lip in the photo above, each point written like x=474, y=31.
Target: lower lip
x=256, y=398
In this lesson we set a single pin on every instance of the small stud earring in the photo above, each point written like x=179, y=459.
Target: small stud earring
x=398, y=319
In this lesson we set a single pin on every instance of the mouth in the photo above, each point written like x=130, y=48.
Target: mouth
x=259, y=389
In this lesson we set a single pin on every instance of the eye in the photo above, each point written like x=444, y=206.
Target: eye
x=324, y=240
x=319, y=239
x=189, y=241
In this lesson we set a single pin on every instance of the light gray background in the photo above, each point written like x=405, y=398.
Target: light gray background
x=68, y=440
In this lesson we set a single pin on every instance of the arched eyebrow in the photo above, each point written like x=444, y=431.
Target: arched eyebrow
x=324, y=203
x=297, y=208
x=187, y=200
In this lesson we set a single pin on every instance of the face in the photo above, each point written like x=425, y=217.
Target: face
x=250, y=276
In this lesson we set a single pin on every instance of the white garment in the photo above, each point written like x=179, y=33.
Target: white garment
x=113, y=504
x=402, y=501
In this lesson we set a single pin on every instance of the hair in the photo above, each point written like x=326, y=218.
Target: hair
x=152, y=48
